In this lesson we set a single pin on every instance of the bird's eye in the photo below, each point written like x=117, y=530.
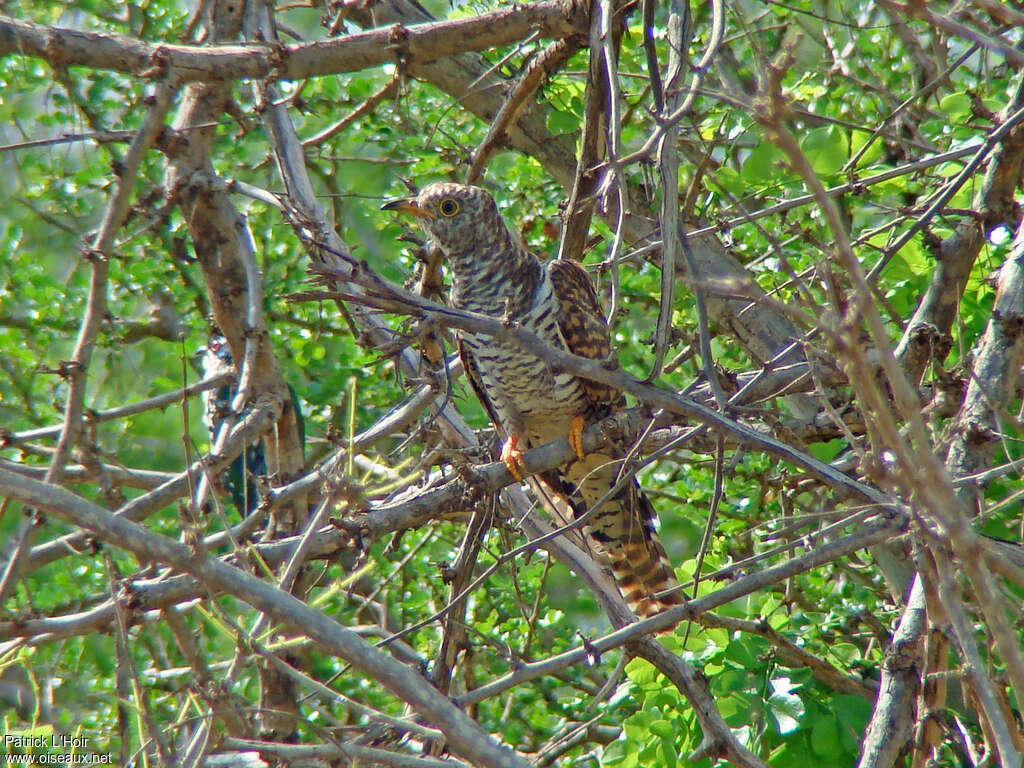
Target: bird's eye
x=449, y=207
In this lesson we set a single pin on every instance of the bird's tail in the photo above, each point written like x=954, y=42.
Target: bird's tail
x=623, y=529
x=638, y=558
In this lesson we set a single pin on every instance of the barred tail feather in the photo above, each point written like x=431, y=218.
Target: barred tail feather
x=640, y=563
x=623, y=529
x=645, y=576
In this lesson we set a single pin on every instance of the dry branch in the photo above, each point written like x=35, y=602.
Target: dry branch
x=868, y=535
x=547, y=63
x=395, y=299
x=76, y=370
x=940, y=21
x=120, y=412
x=463, y=734
x=927, y=336
x=891, y=724
x=437, y=51
x=64, y=47
x=261, y=418
x=922, y=476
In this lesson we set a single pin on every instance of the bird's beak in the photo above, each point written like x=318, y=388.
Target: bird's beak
x=406, y=205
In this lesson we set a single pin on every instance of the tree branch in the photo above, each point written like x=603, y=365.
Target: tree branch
x=421, y=42
x=463, y=734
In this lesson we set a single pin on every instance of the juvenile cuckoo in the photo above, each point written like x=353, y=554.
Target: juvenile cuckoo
x=531, y=404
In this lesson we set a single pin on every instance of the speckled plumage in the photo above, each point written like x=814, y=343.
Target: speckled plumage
x=493, y=274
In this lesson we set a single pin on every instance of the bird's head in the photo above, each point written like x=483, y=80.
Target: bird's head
x=454, y=215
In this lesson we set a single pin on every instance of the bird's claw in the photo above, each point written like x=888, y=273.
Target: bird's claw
x=576, y=437
x=513, y=458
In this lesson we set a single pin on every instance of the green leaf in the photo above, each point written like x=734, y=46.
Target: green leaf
x=662, y=728
x=668, y=752
x=763, y=163
x=852, y=713
x=620, y=753
x=858, y=139
x=641, y=672
x=794, y=753
x=827, y=149
x=744, y=652
x=787, y=710
x=825, y=737
x=562, y=122
x=957, y=106
x=828, y=450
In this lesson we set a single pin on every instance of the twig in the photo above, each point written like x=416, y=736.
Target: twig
x=869, y=534
x=926, y=336
x=651, y=55
x=462, y=733
x=922, y=474
x=921, y=92
x=395, y=299
x=700, y=71
x=453, y=639
x=792, y=655
x=128, y=673
x=837, y=191
x=547, y=63
x=608, y=40
x=254, y=424
x=158, y=401
x=386, y=91
x=947, y=192
x=919, y=10
x=668, y=218
x=984, y=689
x=579, y=209
x=76, y=370
x=1002, y=13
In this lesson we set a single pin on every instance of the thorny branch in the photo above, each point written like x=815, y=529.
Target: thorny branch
x=396, y=299
x=925, y=479
x=76, y=369
x=349, y=53
x=922, y=492
x=463, y=734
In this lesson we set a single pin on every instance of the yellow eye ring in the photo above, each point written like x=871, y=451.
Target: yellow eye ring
x=448, y=207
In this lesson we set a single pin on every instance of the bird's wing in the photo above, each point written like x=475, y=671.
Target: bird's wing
x=624, y=528
x=583, y=327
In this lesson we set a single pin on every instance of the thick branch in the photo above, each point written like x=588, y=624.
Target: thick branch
x=422, y=42
x=892, y=721
x=463, y=734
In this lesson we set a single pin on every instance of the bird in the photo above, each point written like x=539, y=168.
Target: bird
x=529, y=402
x=239, y=478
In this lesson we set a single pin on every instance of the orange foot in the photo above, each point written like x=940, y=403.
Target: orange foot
x=576, y=436
x=513, y=457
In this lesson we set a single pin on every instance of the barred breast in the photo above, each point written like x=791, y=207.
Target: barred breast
x=529, y=395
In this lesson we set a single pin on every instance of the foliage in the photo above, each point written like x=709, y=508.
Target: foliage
x=868, y=94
